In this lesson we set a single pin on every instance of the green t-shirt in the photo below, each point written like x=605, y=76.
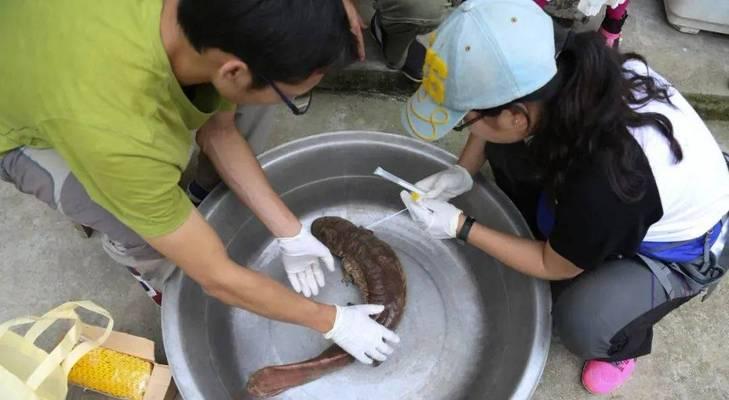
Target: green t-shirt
x=91, y=80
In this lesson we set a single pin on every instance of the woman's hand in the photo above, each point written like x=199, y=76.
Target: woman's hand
x=437, y=217
x=446, y=184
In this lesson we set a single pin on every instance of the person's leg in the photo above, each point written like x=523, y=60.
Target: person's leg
x=45, y=175
x=607, y=315
x=254, y=124
x=612, y=25
x=397, y=23
x=618, y=12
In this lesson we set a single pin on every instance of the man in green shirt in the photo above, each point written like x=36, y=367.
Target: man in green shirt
x=96, y=108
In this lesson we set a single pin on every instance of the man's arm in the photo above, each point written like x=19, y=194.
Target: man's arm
x=234, y=160
x=238, y=167
x=198, y=250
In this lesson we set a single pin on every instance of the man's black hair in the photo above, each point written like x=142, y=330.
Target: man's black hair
x=281, y=40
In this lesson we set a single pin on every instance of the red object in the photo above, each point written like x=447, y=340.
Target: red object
x=617, y=12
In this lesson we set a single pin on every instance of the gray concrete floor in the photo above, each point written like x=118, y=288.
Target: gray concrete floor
x=44, y=263
x=693, y=63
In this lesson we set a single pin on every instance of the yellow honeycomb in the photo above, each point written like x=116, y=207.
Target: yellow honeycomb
x=112, y=373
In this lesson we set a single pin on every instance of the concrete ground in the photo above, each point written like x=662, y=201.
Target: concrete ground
x=44, y=262
x=696, y=64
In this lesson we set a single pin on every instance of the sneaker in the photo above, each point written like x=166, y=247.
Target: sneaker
x=83, y=230
x=612, y=40
x=601, y=377
x=610, y=30
x=154, y=294
x=413, y=67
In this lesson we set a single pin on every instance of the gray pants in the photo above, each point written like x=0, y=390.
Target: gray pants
x=403, y=20
x=608, y=313
x=45, y=175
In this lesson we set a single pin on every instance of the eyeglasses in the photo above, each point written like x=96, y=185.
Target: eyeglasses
x=463, y=124
x=298, y=105
x=492, y=112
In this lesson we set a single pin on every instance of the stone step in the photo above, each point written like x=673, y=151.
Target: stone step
x=696, y=64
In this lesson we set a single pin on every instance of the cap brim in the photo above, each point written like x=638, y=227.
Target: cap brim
x=425, y=119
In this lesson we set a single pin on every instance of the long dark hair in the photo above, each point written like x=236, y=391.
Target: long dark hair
x=587, y=114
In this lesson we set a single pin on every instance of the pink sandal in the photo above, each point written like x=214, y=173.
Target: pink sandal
x=602, y=377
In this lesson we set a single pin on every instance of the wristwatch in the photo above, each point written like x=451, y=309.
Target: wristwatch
x=466, y=228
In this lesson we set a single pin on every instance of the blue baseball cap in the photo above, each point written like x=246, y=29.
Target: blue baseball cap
x=487, y=53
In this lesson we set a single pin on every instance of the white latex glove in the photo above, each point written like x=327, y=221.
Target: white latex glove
x=446, y=184
x=361, y=336
x=302, y=258
x=437, y=217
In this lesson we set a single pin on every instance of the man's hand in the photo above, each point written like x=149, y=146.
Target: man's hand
x=356, y=25
x=446, y=184
x=359, y=335
x=302, y=256
x=197, y=249
x=437, y=217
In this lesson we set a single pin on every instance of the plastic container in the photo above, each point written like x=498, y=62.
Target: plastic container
x=692, y=16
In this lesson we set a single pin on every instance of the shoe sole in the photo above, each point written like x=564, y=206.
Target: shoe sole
x=411, y=78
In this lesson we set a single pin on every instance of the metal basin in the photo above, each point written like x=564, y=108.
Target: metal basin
x=472, y=329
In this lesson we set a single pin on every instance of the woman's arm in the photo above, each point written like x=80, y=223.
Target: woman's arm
x=531, y=257
x=443, y=220
x=473, y=156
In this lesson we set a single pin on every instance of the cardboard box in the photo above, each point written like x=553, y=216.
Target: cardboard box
x=160, y=385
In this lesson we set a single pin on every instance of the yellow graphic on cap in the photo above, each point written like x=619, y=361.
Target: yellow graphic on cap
x=439, y=116
x=436, y=72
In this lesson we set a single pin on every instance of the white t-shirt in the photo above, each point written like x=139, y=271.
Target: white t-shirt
x=694, y=192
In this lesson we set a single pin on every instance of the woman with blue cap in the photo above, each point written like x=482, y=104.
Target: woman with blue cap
x=623, y=185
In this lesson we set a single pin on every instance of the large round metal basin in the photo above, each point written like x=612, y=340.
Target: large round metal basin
x=472, y=328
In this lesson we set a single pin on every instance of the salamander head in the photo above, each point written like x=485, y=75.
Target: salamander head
x=328, y=229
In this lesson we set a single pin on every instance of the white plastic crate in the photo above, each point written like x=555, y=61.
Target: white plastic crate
x=692, y=16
